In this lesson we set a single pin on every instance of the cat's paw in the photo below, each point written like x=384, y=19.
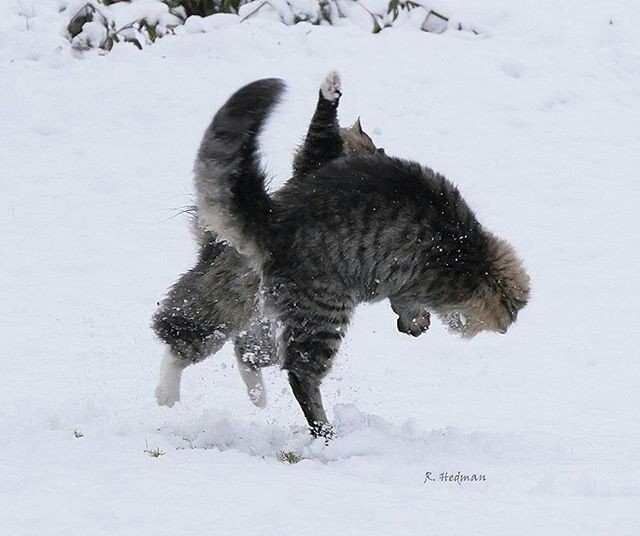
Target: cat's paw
x=167, y=395
x=258, y=396
x=415, y=325
x=331, y=87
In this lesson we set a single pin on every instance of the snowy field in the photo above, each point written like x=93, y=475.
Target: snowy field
x=537, y=120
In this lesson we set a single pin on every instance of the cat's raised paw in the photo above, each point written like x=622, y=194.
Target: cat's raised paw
x=331, y=87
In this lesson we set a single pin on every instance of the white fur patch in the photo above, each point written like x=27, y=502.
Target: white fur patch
x=331, y=87
x=168, y=389
x=252, y=378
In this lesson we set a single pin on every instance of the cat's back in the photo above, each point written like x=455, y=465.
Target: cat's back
x=359, y=189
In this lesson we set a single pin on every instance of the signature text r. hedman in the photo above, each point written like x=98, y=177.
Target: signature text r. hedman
x=458, y=478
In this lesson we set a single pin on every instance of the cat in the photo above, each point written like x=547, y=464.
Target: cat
x=360, y=228
x=216, y=300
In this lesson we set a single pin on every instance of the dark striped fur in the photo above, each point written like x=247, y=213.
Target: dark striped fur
x=217, y=299
x=357, y=229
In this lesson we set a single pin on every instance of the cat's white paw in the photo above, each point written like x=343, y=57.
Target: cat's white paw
x=331, y=87
x=168, y=390
x=258, y=395
x=167, y=396
x=252, y=377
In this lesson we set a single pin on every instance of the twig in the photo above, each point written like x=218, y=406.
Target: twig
x=255, y=11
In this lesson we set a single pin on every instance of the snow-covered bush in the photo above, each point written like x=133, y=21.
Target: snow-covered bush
x=102, y=23
x=99, y=24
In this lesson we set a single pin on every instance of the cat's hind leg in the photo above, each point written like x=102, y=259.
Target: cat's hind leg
x=191, y=328
x=255, y=348
x=168, y=389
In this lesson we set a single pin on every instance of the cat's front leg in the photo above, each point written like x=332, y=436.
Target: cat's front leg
x=413, y=319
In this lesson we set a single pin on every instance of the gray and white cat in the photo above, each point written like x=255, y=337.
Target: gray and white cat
x=359, y=228
x=217, y=299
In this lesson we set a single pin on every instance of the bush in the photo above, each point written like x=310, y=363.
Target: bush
x=94, y=25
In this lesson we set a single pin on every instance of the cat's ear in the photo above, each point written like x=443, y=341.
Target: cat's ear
x=357, y=126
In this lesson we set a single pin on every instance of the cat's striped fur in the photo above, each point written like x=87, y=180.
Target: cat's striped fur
x=216, y=300
x=358, y=229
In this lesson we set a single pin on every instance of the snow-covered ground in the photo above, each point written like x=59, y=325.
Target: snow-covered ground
x=537, y=120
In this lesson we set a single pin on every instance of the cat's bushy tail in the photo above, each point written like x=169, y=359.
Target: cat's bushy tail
x=230, y=185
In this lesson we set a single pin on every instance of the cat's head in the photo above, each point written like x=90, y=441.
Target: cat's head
x=501, y=291
x=357, y=141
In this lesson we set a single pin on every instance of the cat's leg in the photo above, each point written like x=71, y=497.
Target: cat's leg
x=307, y=360
x=413, y=319
x=251, y=376
x=205, y=307
x=187, y=325
x=167, y=391
x=254, y=349
x=187, y=343
x=313, y=328
x=306, y=389
x=323, y=142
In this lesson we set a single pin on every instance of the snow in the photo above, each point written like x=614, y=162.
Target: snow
x=537, y=121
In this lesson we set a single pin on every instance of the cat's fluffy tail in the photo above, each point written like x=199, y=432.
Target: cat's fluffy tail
x=230, y=184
